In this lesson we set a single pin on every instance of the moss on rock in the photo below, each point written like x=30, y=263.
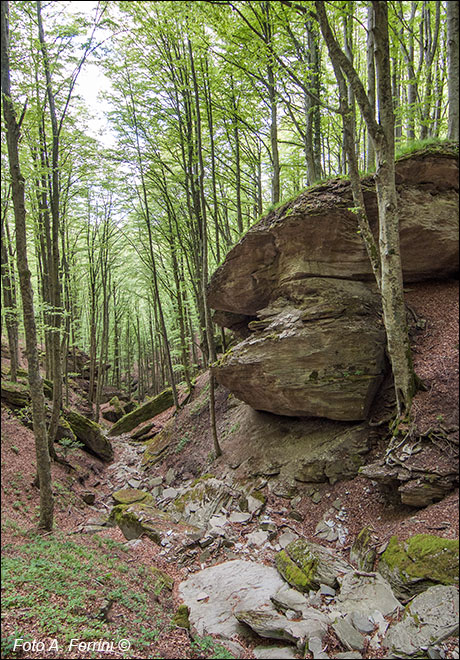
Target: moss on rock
x=149, y=410
x=291, y=572
x=90, y=434
x=157, y=447
x=180, y=618
x=362, y=553
x=130, y=495
x=15, y=394
x=135, y=520
x=423, y=560
x=307, y=565
x=162, y=580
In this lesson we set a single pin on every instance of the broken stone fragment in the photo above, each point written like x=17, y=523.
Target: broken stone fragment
x=362, y=551
x=362, y=593
x=348, y=635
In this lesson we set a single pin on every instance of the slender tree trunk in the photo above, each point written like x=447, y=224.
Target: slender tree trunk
x=55, y=283
x=9, y=302
x=453, y=69
x=370, y=47
x=394, y=312
x=204, y=253
x=13, y=128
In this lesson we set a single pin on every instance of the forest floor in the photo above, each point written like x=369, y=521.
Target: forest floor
x=71, y=585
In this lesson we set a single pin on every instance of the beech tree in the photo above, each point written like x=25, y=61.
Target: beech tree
x=453, y=68
x=13, y=131
x=382, y=135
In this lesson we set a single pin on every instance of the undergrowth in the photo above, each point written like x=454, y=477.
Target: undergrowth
x=56, y=589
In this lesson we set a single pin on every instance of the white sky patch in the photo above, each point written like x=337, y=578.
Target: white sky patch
x=92, y=81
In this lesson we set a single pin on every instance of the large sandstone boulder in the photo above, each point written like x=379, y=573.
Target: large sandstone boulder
x=313, y=340
x=316, y=235
x=317, y=350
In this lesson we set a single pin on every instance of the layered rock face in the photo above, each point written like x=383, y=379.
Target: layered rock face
x=298, y=288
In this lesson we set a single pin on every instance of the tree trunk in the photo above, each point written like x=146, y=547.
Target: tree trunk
x=35, y=380
x=204, y=253
x=370, y=160
x=453, y=69
x=394, y=312
x=9, y=302
x=55, y=283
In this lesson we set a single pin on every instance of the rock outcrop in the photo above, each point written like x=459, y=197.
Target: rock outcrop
x=298, y=288
x=317, y=350
x=149, y=410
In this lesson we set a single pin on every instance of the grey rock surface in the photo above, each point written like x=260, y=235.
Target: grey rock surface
x=348, y=635
x=428, y=619
x=232, y=585
x=274, y=652
x=365, y=594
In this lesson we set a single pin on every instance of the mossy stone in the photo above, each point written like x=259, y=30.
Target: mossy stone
x=130, y=495
x=291, y=572
x=64, y=430
x=15, y=394
x=423, y=560
x=133, y=520
x=162, y=579
x=90, y=434
x=362, y=553
x=149, y=410
x=156, y=448
x=180, y=618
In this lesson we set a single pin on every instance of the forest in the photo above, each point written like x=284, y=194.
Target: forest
x=148, y=149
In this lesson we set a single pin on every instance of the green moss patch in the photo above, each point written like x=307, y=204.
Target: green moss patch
x=130, y=495
x=291, y=572
x=15, y=394
x=151, y=409
x=420, y=562
x=424, y=556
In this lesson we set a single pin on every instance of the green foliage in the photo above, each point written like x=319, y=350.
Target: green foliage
x=69, y=445
x=182, y=443
x=59, y=586
x=207, y=647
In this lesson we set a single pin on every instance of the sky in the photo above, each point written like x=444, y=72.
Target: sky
x=91, y=82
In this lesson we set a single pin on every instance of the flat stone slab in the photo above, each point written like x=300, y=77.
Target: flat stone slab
x=233, y=585
x=290, y=599
x=428, y=619
x=237, y=517
x=267, y=623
